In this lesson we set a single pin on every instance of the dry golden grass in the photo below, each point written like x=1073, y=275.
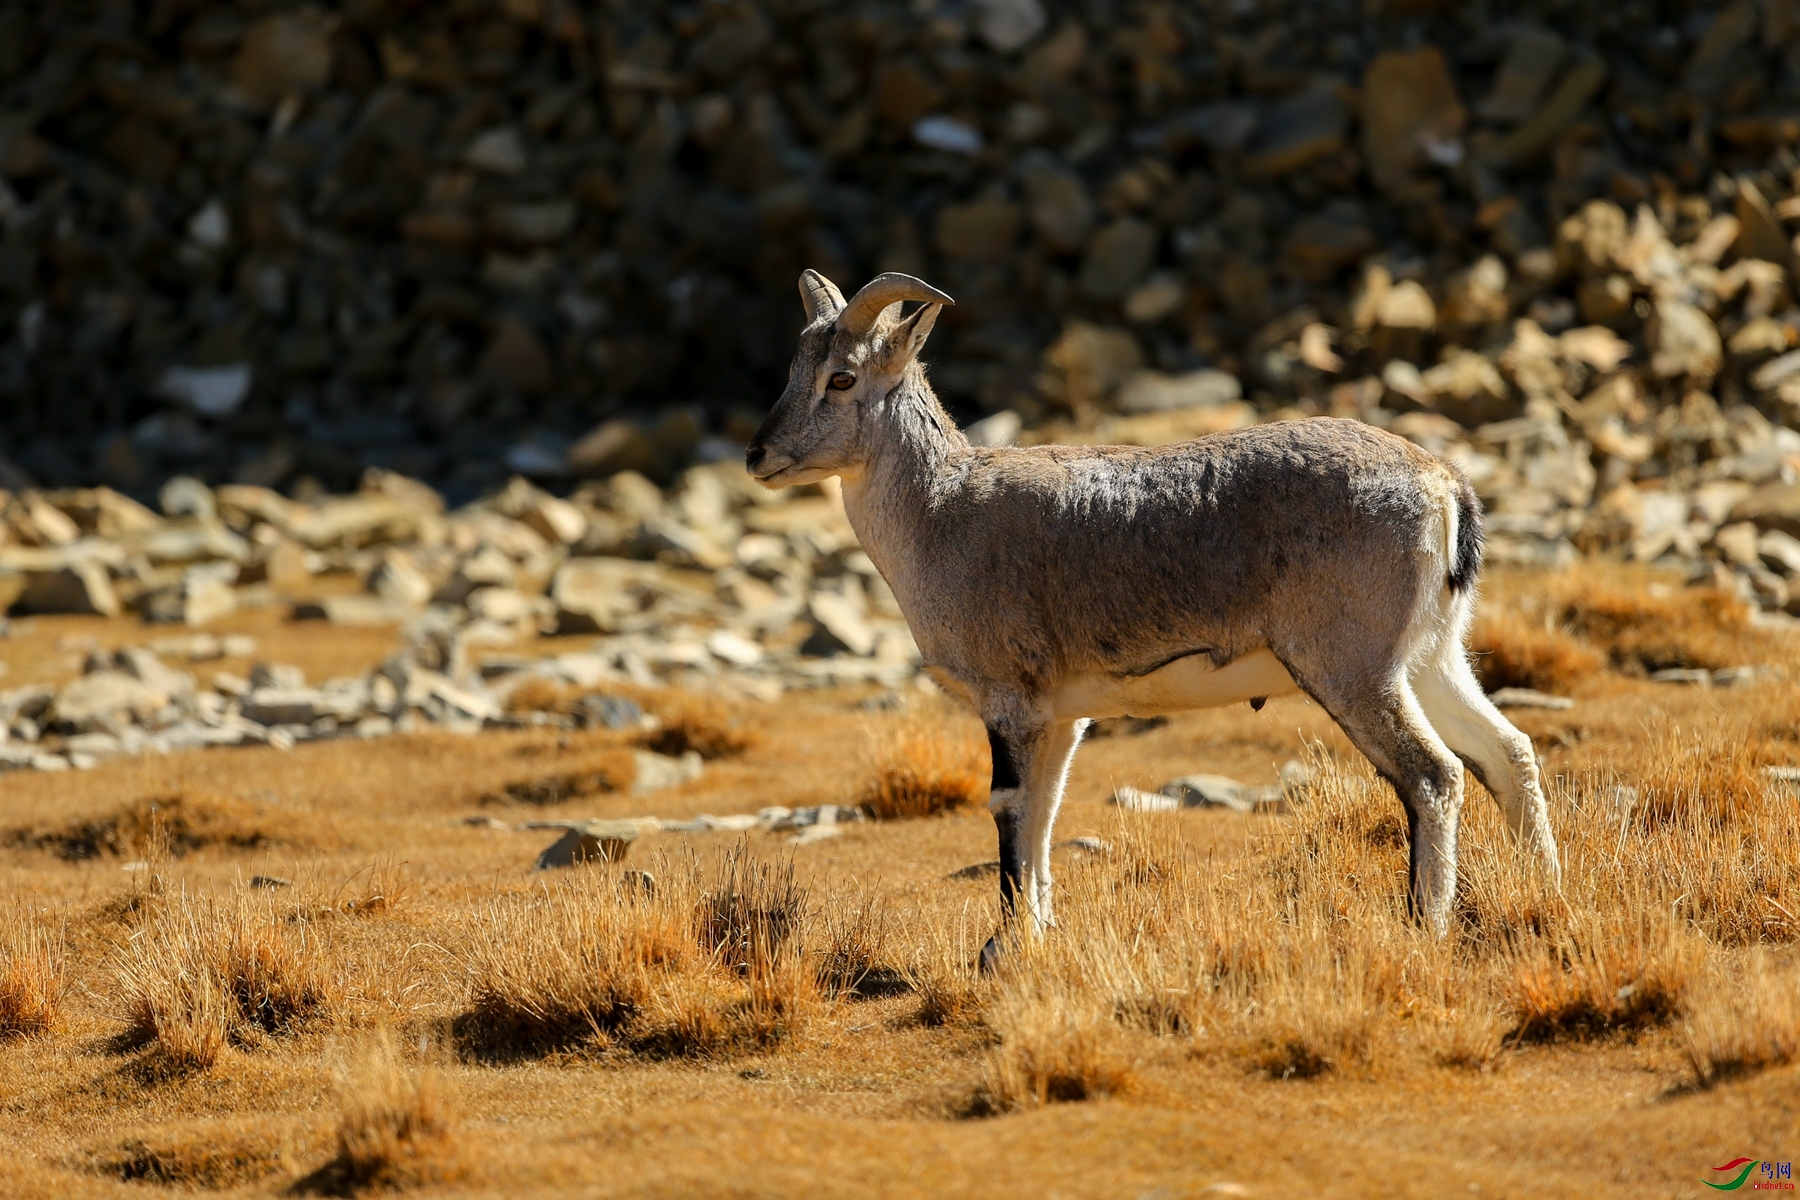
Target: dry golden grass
x=544, y=695
x=396, y=1127
x=183, y=822
x=697, y=965
x=381, y=888
x=1513, y=651
x=856, y=937
x=1747, y=1020
x=1552, y=630
x=203, y=973
x=580, y=770
x=1053, y=1047
x=708, y=724
x=943, y=968
x=790, y=1023
x=33, y=957
x=923, y=765
x=210, y=1154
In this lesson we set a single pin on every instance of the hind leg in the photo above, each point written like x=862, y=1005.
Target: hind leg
x=1389, y=727
x=1492, y=747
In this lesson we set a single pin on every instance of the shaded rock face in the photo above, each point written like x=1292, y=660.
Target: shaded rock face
x=277, y=244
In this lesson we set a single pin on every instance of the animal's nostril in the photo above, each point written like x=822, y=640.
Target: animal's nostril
x=753, y=456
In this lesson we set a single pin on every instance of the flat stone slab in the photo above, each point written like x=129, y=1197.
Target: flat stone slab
x=589, y=841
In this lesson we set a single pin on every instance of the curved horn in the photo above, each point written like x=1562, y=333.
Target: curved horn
x=820, y=295
x=890, y=288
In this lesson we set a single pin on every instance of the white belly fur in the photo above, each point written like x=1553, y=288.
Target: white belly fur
x=1185, y=684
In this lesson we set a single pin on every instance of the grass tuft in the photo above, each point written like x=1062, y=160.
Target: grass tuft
x=1053, y=1049
x=923, y=767
x=703, y=723
x=1610, y=972
x=1747, y=1021
x=203, y=974
x=395, y=1129
x=33, y=958
x=1511, y=651
x=214, y=1155
x=856, y=937
x=703, y=965
x=183, y=822
x=582, y=771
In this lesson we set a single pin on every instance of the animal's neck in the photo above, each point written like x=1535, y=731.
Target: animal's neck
x=909, y=476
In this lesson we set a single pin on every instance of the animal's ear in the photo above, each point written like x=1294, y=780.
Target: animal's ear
x=820, y=296
x=908, y=338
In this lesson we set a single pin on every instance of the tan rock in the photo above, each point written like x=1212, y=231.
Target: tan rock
x=590, y=841
x=1772, y=506
x=1411, y=115
x=1301, y=129
x=1088, y=362
x=1059, y=206
x=1580, y=84
x=1760, y=232
x=1154, y=391
x=1533, y=56
x=284, y=53
x=81, y=588
x=101, y=698
x=1683, y=341
x=515, y=360
x=982, y=231
x=1593, y=238
x=1117, y=258
x=398, y=580
x=1737, y=542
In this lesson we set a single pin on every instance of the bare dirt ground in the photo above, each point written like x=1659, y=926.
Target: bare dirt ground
x=1231, y=1005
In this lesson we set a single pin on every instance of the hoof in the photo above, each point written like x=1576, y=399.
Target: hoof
x=989, y=962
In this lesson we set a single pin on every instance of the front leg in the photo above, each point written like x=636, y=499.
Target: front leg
x=1030, y=769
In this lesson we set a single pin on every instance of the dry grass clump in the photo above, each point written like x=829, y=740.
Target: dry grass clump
x=214, y=1155
x=1719, y=839
x=33, y=957
x=705, y=724
x=594, y=771
x=1544, y=629
x=1300, y=959
x=538, y=694
x=202, y=974
x=1644, y=628
x=1325, y=1009
x=396, y=1129
x=379, y=889
x=1053, y=1048
x=856, y=939
x=923, y=767
x=943, y=970
x=1712, y=776
x=698, y=966
x=1607, y=971
x=1512, y=651
x=183, y=822
x=1748, y=1020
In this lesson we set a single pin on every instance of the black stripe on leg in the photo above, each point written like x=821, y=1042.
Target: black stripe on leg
x=1006, y=821
x=1006, y=776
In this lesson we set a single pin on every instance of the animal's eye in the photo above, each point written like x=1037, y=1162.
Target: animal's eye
x=842, y=381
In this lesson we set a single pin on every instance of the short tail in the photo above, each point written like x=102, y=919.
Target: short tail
x=1465, y=561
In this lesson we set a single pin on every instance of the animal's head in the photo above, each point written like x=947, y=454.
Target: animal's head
x=851, y=358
